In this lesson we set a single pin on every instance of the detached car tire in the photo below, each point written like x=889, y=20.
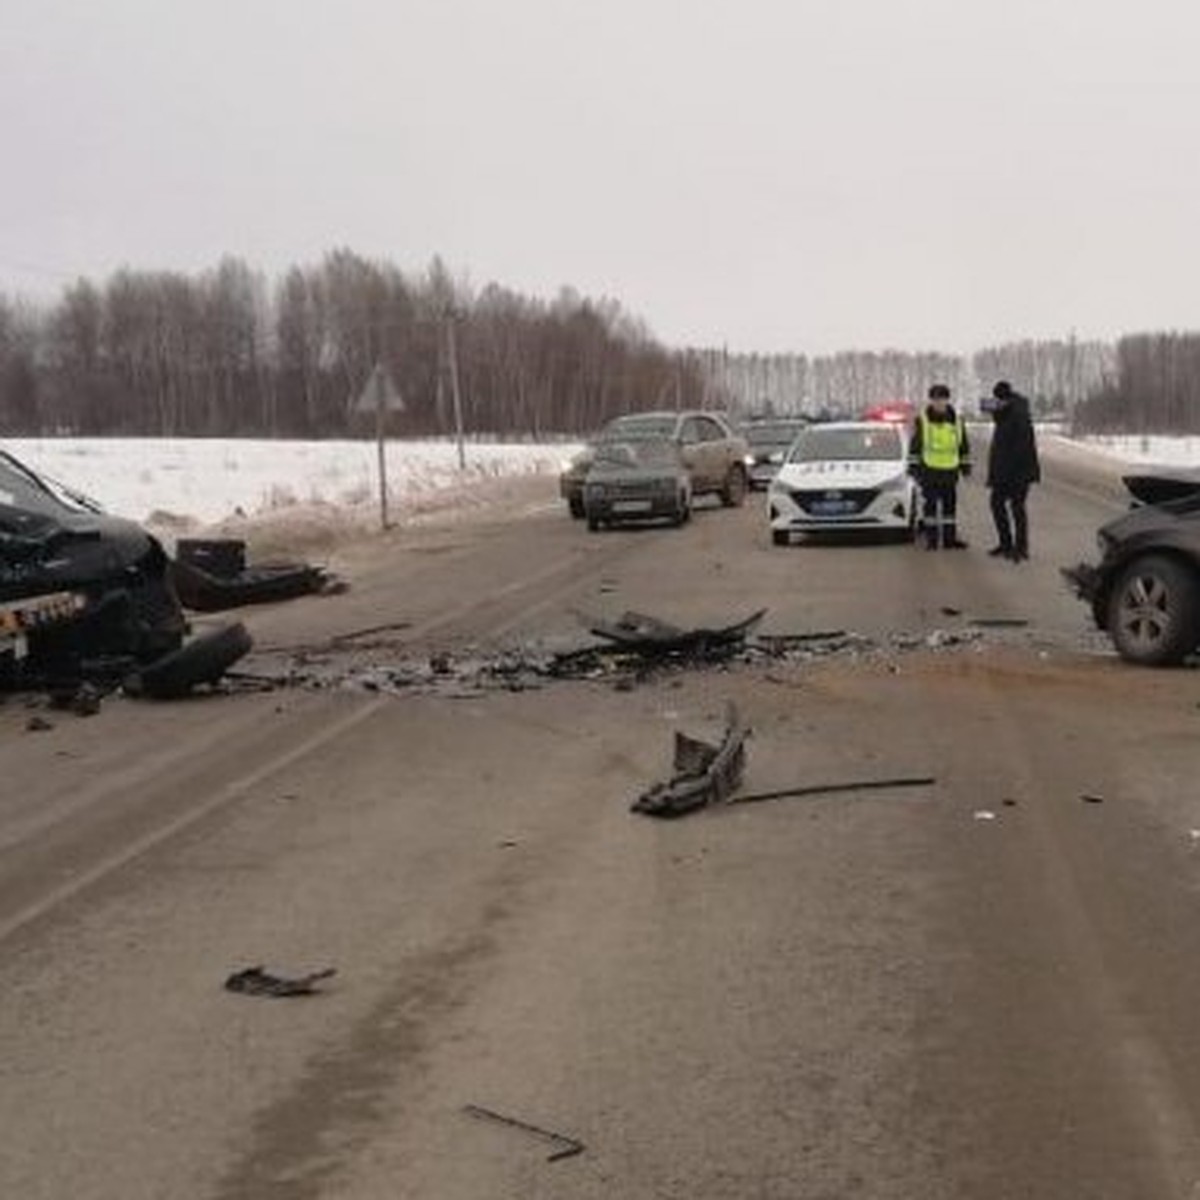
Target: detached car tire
x=202, y=660
x=1154, y=611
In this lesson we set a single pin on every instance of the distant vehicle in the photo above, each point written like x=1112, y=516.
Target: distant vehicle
x=643, y=479
x=1145, y=591
x=713, y=454
x=844, y=475
x=769, y=440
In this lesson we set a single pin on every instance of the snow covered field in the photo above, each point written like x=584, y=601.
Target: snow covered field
x=200, y=482
x=1150, y=450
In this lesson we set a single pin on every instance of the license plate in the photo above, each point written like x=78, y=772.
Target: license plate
x=631, y=506
x=832, y=508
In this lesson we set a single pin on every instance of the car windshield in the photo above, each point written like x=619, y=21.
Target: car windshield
x=847, y=445
x=640, y=427
x=641, y=452
x=22, y=488
x=774, y=433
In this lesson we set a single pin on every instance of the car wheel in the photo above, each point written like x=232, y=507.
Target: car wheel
x=575, y=506
x=1154, y=611
x=734, y=490
x=780, y=537
x=202, y=660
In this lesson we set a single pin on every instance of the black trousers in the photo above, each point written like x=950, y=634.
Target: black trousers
x=1011, y=520
x=939, y=507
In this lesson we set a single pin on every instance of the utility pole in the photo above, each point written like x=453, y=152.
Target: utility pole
x=452, y=354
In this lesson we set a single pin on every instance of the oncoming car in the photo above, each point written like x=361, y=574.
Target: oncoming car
x=712, y=453
x=844, y=475
x=637, y=481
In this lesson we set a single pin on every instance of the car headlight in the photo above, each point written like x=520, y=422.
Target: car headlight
x=777, y=457
x=897, y=483
x=748, y=460
x=595, y=491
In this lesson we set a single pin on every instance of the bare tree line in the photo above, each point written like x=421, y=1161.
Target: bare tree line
x=1154, y=387
x=226, y=353
x=1056, y=375
x=229, y=353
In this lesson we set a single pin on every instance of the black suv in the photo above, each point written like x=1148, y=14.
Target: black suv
x=1145, y=591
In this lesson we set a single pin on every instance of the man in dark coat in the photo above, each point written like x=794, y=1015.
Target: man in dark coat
x=1012, y=467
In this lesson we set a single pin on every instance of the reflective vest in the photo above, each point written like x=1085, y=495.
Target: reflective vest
x=941, y=444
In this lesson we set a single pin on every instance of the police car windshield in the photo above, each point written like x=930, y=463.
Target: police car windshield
x=876, y=444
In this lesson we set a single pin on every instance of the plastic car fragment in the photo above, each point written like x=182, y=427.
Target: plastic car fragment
x=703, y=774
x=211, y=575
x=648, y=635
x=255, y=981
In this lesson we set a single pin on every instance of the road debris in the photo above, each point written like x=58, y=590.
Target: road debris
x=565, y=1147
x=647, y=635
x=1088, y=798
x=211, y=575
x=999, y=622
x=83, y=700
x=255, y=981
x=704, y=774
x=829, y=789
x=633, y=649
x=984, y=814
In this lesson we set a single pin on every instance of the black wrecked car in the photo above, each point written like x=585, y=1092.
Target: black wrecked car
x=1145, y=590
x=85, y=596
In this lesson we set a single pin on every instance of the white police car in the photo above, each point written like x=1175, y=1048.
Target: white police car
x=844, y=475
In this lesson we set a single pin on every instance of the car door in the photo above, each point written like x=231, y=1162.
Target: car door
x=716, y=444
x=691, y=450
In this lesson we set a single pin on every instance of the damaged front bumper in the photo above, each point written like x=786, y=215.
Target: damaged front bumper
x=1083, y=579
x=1090, y=584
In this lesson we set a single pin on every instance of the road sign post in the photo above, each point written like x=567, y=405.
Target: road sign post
x=380, y=396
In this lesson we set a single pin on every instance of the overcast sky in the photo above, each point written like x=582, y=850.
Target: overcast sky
x=770, y=175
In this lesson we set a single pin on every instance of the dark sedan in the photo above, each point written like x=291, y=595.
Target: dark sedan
x=640, y=480
x=1145, y=590
x=769, y=441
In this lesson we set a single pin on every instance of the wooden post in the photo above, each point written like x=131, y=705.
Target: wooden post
x=380, y=440
x=452, y=350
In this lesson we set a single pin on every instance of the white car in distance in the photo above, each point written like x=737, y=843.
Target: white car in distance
x=844, y=475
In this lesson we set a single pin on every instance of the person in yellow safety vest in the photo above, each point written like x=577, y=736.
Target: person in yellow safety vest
x=938, y=454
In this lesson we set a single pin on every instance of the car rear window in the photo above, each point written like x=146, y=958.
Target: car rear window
x=639, y=427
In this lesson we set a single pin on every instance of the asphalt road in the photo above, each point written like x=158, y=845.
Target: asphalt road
x=981, y=988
